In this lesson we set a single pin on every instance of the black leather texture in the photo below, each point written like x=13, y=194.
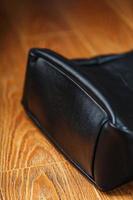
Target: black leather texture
x=84, y=106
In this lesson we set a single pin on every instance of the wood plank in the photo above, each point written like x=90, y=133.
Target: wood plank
x=52, y=181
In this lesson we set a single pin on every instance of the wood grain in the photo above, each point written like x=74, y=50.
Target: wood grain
x=30, y=167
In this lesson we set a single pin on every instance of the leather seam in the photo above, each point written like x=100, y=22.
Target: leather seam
x=95, y=148
x=56, y=66
x=68, y=76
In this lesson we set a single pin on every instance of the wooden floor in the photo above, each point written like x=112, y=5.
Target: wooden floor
x=30, y=167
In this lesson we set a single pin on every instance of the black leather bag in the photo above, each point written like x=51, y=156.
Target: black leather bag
x=85, y=107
